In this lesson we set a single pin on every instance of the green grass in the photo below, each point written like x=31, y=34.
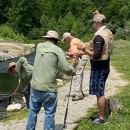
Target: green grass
x=120, y=120
x=16, y=115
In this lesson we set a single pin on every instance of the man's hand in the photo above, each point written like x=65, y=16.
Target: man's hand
x=96, y=12
x=75, y=54
x=26, y=62
x=71, y=54
x=14, y=94
x=74, y=72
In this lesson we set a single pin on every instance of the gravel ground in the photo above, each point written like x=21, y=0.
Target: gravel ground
x=77, y=109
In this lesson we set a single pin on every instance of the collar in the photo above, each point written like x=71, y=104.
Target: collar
x=102, y=28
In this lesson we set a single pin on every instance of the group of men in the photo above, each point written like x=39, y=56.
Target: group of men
x=50, y=59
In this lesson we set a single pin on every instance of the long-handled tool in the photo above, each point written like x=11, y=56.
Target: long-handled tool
x=67, y=103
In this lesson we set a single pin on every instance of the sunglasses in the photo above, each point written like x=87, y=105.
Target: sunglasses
x=93, y=22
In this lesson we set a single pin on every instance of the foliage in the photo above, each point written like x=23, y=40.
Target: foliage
x=120, y=34
x=87, y=37
x=38, y=16
x=124, y=11
x=34, y=34
x=8, y=34
x=25, y=15
x=47, y=24
x=4, y=8
x=65, y=24
x=16, y=115
x=112, y=27
x=113, y=16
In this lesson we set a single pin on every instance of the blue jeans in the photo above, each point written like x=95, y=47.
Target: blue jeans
x=37, y=98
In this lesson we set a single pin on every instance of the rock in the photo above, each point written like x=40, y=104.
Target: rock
x=65, y=77
x=14, y=107
x=13, y=50
x=24, y=100
x=59, y=82
x=5, y=50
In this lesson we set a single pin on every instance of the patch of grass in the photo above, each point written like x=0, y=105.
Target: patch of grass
x=120, y=120
x=24, y=113
x=16, y=115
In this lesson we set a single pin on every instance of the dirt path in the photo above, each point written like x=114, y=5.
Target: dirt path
x=76, y=110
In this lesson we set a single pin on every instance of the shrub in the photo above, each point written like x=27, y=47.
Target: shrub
x=8, y=34
x=34, y=34
x=120, y=34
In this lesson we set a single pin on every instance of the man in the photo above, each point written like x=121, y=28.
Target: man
x=78, y=62
x=49, y=60
x=24, y=71
x=100, y=50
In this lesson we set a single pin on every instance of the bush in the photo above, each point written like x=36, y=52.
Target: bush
x=120, y=34
x=34, y=34
x=8, y=34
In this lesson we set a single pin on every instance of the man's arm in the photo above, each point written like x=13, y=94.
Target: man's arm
x=18, y=88
x=64, y=66
x=98, y=46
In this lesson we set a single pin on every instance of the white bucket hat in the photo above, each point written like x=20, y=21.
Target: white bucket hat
x=66, y=34
x=51, y=34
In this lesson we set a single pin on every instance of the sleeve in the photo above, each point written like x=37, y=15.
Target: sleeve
x=73, y=45
x=64, y=65
x=17, y=89
x=98, y=46
x=19, y=85
x=28, y=69
x=19, y=64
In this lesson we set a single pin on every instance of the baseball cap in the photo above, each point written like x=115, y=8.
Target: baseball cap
x=66, y=34
x=99, y=18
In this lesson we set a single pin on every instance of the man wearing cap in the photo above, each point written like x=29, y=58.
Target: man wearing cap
x=49, y=60
x=100, y=50
x=78, y=62
x=24, y=71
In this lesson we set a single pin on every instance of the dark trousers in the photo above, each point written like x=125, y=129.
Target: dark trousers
x=26, y=92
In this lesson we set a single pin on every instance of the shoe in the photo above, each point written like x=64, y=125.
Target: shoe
x=83, y=94
x=98, y=121
x=92, y=118
x=73, y=95
x=77, y=98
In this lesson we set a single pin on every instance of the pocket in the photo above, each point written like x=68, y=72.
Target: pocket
x=84, y=62
x=52, y=95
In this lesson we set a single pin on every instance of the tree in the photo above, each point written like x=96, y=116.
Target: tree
x=112, y=14
x=4, y=8
x=25, y=15
x=124, y=10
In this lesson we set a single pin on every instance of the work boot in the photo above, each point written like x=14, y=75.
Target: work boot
x=73, y=95
x=77, y=98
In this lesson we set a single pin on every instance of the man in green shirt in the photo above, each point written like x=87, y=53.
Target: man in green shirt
x=24, y=71
x=49, y=60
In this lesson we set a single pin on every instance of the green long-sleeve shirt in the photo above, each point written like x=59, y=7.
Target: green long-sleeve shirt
x=49, y=60
x=24, y=72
